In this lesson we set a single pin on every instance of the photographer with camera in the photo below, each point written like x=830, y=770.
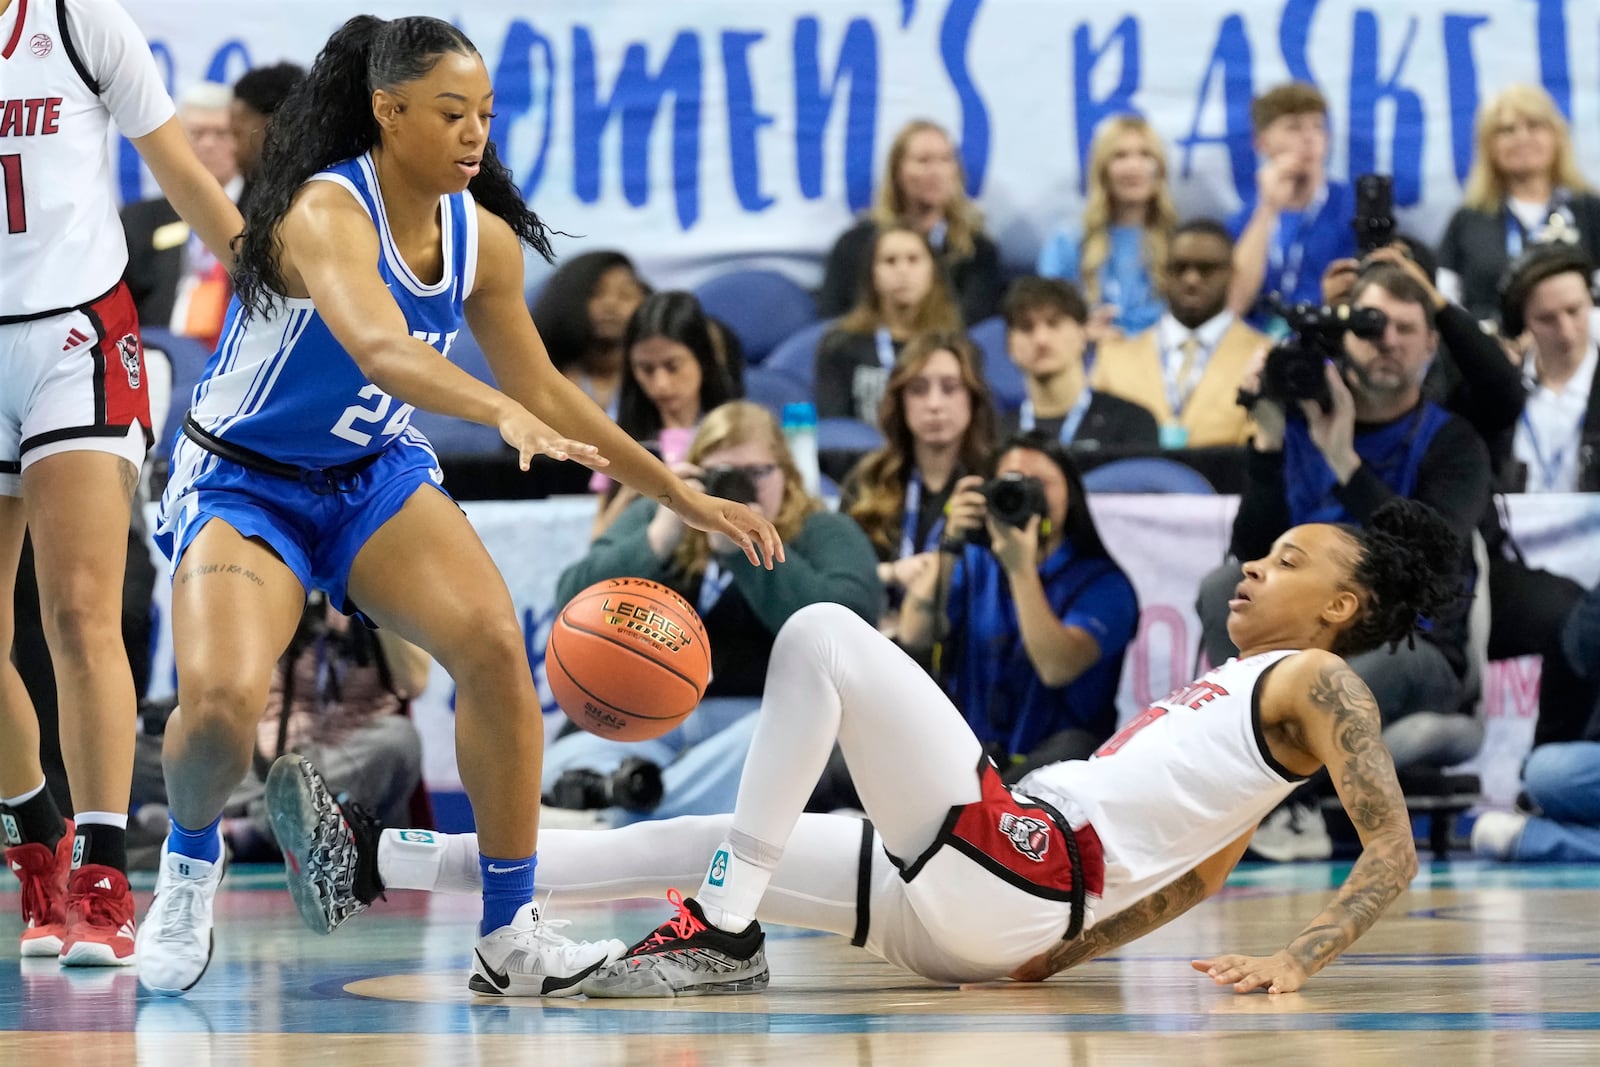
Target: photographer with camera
x=738, y=453
x=1341, y=428
x=1028, y=614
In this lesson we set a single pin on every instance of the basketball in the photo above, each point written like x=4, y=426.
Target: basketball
x=627, y=659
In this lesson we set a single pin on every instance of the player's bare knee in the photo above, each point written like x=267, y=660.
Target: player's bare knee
x=79, y=627
x=225, y=708
x=483, y=651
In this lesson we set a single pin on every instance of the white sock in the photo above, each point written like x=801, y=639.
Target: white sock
x=430, y=861
x=25, y=797
x=119, y=819
x=737, y=879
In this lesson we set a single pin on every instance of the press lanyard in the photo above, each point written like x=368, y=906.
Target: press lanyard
x=1069, y=423
x=1289, y=261
x=712, y=585
x=885, y=348
x=908, y=525
x=1550, y=469
x=1517, y=235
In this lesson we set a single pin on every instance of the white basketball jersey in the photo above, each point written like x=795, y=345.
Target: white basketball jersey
x=67, y=69
x=1176, y=784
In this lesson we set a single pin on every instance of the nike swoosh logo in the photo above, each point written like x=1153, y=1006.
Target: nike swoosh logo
x=552, y=984
x=501, y=979
x=507, y=870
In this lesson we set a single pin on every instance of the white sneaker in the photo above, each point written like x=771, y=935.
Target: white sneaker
x=529, y=958
x=174, y=941
x=1495, y=834
x=1294, y=831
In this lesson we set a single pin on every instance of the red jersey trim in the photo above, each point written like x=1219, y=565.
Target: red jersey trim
x=16, y=31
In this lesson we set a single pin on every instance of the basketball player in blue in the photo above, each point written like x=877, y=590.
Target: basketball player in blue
x=382, y=217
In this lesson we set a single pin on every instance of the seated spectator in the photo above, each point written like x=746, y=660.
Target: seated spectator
x=1186, y=368
x=1296, y=221
x=1524, y=188
x=1561, y=779
x=1046, y=337
x=1380, y=439
x=739, y=451
x=1032, y=620
x=340, y=696
x=174, y=279
x=256, y=96
x=673, y=378
x=1118, y=254
x=902, y=293
x=923, y=188
x=938, y=426
x=582, y=312
x=1557, y=440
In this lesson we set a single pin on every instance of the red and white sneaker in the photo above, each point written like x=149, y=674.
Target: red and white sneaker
x=43, y=874
x=99, y=918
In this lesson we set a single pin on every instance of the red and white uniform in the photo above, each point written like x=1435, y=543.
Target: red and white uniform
x=71, y=370
x=1176, y=784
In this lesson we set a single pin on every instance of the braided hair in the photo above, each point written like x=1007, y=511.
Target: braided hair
x=1410, y=567
x=327, y=118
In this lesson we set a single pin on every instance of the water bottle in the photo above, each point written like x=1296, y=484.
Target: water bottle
x=800, y=431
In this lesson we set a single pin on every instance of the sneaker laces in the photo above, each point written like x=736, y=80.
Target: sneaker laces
x=103, y=907
x=181, y=913
x=365, y=830
x=35, y=895
x=680, y=927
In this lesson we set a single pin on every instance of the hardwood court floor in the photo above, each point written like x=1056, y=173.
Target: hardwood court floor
x=1476, y=965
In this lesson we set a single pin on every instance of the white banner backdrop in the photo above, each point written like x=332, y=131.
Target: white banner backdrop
x=695, y=133
x=1165, y=543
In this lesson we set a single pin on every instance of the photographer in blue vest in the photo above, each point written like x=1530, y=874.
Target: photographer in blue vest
x=1341, y=428
x=1027, y=614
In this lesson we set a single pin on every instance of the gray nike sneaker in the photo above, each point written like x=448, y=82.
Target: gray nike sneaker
x=330, y=849
x=686, y=957
x=531, y=958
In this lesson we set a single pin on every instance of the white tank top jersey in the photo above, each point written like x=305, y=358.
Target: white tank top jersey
x=1176, y=784
x=68, y=68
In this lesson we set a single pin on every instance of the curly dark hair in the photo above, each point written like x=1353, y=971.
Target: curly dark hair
x=328, y=118
x=1410, y=567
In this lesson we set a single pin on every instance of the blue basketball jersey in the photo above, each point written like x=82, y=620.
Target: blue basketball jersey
x=282, y=386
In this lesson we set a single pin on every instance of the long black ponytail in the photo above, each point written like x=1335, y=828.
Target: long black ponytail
x=328, y=118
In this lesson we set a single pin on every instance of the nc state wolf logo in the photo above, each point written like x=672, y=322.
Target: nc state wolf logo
x=128, y=349
x=1029, y=836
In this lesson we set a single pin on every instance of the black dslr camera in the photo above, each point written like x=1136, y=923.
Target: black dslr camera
x=1293, y=371
x=730, y=483
x=1014, y=499
x=635, y=785
x=1374, y=222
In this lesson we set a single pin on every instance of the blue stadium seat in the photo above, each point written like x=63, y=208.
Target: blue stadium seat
x=1146, y=474
x=773, y=389
x=761, y=307
x=1005, y=380
x=847, y=435
x=188, y=358
x=796, y=357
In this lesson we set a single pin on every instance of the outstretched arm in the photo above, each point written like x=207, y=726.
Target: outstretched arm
x=1131, y=923
x=1338, y=720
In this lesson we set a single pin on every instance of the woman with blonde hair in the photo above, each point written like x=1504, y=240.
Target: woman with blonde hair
x=938, y=424
x=1524, y=188
x=1120, y=250
x=738, y=453
x=903, y=293
x=923, y=188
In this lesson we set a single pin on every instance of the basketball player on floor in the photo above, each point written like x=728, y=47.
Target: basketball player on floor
x=955, y=877
x=381, y=215
x=74, y=426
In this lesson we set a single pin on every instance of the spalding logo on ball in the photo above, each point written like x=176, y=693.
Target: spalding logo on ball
x=628, y=659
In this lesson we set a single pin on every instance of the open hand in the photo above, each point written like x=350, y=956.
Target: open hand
x=531, y=436
x=751, y=533
x=1334, y=431
x=1277, y=973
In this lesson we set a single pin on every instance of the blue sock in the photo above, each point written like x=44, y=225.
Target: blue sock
x=202, y=844
x=507, y=886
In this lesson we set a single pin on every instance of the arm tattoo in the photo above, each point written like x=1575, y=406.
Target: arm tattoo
x=1371, y=795
x=1155, y=910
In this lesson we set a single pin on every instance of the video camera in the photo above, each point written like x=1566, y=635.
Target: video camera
x=1293, y=371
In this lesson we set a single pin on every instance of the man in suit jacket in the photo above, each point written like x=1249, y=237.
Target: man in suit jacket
x=175, y=280
x=1045, y=336
x=1186, y=368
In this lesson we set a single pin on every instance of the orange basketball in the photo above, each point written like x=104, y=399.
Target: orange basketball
x=628, y=659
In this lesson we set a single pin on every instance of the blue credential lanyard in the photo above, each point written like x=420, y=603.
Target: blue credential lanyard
x=1069, y=423
x=908, y=524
